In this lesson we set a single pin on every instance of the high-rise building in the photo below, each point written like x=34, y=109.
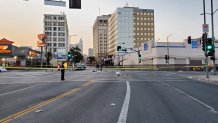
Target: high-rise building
x=90, y=52
x=129, y=27
x=100, y=36
x=56, y=28
x=80, y=45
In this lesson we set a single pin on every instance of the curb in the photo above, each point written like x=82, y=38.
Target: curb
x=205, y=79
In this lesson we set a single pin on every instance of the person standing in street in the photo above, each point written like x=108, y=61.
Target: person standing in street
x=62, y=71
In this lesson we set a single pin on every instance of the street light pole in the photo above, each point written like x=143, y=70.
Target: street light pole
x=213, y=38
x=168, y=52
x=205, y=38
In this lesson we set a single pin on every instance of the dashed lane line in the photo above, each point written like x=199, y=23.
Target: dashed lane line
x=211, y=109
x=21, y=89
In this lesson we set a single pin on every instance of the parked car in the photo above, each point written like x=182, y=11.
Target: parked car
x=79, y=66
x=2, y=69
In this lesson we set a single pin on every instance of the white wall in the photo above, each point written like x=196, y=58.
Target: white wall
x=180, y=53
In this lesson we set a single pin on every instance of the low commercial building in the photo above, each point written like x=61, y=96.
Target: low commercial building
x=11, y=55
x=180, y=54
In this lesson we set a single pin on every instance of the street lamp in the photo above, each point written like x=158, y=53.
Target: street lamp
x=168, y=57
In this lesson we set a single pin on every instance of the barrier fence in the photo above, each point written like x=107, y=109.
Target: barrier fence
x=156, y=68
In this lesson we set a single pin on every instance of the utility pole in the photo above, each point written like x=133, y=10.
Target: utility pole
x=205, y=39
x=41, y=56
x=213, y=39
x=168, y=50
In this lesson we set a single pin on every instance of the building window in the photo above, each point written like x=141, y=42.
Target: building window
x=54, y=39
x=54, y=45
x=48, y=39
x=54, y=17
x=61, y=34
x=48, y=33
x=48, y=24
x=54, y=34
x=54, y=23
x=61, y=39
x=61, y=45
x=60, y=23
x=55, y=50
x=49, y=44
x=54, y=28
x=48, y=17
x=61, y=18
x=61, y=29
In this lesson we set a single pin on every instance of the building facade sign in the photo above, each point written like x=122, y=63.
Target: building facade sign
x=5, y=49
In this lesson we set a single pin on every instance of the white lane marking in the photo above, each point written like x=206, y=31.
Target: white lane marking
x=21, y=89
x=125, y=107
x=211, y=109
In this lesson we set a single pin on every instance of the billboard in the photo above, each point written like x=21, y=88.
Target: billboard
x=61, y=3
x=5, y=49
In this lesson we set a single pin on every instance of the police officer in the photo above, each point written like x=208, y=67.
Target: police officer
x=62, y=71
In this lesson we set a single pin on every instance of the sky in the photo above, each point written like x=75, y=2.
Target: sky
x=21, y=21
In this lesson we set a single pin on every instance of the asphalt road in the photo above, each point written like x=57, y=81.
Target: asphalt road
x=103, y=97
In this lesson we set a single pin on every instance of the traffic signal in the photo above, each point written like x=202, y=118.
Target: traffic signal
x=75, y=4
x=204, y=38
x=119, y=48
x=69, y=56
x=140, y=58
x=166, y=57
x=212, y=58
x=210, y=47
x=189, y=39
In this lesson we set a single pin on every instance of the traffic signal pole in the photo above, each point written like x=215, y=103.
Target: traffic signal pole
x=213, y=39
x=205, y=39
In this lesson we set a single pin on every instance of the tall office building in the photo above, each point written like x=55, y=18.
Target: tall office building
x=100, y=36
x=129, y=27
x=90, y=52
x=80, y=45
x=56, y=28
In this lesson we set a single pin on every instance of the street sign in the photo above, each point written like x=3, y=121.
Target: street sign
x=145, y=46
x=195, y=43
x=205, y=28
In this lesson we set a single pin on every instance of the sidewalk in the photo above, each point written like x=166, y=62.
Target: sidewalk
x=212, y=78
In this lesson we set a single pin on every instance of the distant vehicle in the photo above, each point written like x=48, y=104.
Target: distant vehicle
x=79, y=66
x=2, y=69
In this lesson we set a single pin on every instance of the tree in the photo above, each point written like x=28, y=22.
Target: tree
x=91, y=59
x=77, y=56
x=48, y=59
